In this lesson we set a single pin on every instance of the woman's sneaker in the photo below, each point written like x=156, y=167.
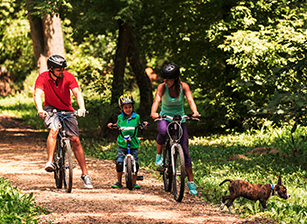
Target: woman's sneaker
x=87, y=180
x=192, y=186
x=117, y=185
x=159, y=160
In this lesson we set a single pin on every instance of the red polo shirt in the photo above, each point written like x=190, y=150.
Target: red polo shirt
x=58, y=97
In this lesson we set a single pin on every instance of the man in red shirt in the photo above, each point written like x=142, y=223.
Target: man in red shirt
x=56, y=84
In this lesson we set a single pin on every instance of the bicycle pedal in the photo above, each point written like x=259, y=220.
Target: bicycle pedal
x=139, y=178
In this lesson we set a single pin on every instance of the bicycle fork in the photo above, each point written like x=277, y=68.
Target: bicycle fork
x=128, y=139
x=173, y=152
x=133, y=163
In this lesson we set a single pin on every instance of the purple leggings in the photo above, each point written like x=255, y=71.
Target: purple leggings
x=184, y=141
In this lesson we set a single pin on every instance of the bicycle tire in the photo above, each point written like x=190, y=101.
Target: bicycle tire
x=67, y=166
x=179, y=175
x=57, y=162
x=129, y=174
x=167, y=168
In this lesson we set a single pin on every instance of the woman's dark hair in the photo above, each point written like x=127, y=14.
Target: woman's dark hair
x=177, y=85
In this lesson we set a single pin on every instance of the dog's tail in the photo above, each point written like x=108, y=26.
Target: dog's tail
x=226, y=181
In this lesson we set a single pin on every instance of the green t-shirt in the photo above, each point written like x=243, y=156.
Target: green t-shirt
x=132, y=121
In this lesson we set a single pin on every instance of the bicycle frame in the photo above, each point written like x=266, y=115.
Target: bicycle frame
x=129, y=155
x=63, y=172
x=129, y=166
x=173, y=170
x=175, y=139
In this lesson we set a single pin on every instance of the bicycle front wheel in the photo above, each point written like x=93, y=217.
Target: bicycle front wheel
x=129, y=173
x=167, y=168
x=67, y=166
x=58, y=177
x=179, y=175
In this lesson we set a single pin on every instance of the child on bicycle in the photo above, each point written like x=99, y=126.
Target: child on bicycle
x=128, y=118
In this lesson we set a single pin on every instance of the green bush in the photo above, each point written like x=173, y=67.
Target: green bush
x=17, y=207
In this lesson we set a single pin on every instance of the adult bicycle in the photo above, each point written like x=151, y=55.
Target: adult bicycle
x=129, y=167
x=62, y=158
x=173, y=166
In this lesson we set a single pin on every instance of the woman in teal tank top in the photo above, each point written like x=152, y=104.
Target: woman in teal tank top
x=172, y=93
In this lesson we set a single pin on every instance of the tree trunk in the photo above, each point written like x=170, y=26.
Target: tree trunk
x=120, y=62
x=118, y=76
x=142, y=79
x=47, y=38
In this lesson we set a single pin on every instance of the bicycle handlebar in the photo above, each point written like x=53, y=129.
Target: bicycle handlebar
x=55, y=112
x=177, y=118
x=139, y=126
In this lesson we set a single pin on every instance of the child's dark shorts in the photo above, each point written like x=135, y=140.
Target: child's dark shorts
x=123, y=152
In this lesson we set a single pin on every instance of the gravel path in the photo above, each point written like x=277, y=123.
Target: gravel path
x=22, y=160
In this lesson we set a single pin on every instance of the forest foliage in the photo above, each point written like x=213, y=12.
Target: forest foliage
x=244, y=60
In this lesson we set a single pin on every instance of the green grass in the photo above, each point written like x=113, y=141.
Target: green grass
x=211, y=164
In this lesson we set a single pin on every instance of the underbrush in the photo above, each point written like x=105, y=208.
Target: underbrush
x=17, y=207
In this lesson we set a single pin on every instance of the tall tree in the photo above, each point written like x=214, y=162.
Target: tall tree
x=116, y=16
x=120, y=62
x=46, y=33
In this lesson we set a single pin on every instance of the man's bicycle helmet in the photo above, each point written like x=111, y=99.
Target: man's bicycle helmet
x=125, y=99
x=170, y=71
x=56, y=61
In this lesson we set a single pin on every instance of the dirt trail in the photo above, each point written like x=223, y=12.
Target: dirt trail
x=22, y=160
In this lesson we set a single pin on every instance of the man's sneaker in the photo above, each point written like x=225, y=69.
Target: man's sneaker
x=135, y=186
x=87, y=181
x=159, y=160
x=192, y=187
x=117, y=185
x=49, y=167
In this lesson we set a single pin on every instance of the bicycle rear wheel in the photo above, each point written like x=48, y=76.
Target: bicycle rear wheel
x=58, y=177
x=67, y=166
x=129, y=173
x=167, y=168
x=179, y=175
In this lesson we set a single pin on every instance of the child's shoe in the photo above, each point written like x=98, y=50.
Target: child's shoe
x=159, y=160
x=192, y=186
x=117, y=185
x=135, y=186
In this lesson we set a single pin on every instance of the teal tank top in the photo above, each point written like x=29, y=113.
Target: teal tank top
x=172, y=106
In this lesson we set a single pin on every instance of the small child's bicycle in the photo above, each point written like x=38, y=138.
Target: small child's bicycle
x=173, y=167
x=129, y=167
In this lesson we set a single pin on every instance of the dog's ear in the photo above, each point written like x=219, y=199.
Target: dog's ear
x=279, y=180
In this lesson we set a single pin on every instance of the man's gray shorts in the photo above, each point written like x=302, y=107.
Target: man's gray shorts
x=71, y=123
